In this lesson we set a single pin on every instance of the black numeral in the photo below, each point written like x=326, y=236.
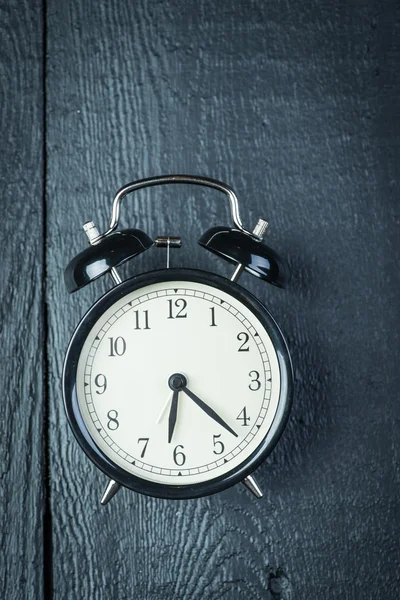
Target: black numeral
x=180, y=304
x=117, y=346
x=242, y=416
x=138, y=319
x=255, y=383
x=179, y=457
x=213, y=323
x=113, y=422
x=219, y=444
x=243, y=337
x=146, y=441
x=100, y=381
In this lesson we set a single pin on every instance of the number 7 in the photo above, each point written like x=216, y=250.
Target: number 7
x=146, y=441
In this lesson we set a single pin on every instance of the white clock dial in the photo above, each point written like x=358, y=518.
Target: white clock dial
x=228, y=363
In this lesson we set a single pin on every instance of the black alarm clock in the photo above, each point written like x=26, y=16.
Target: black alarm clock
x=177, y=383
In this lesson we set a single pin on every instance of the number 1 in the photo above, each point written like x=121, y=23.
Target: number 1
x=213, y=323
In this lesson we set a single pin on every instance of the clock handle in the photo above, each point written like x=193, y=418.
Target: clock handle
x=167, y=179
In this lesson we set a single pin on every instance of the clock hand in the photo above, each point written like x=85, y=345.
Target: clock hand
x=164, y=408
x=209, y=411
x=173, y=413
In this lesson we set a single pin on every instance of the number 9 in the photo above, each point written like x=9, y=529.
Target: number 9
x=100, y=381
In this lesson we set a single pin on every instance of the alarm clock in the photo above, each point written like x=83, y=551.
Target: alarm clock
x=177, y=383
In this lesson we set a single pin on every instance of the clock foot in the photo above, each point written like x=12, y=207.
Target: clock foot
x=251, y=484
x=110, y=491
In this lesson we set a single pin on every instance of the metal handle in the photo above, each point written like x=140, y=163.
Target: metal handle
x=166, y=179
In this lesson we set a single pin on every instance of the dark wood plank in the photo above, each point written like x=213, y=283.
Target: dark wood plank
x=21, y=303
x=293, y=105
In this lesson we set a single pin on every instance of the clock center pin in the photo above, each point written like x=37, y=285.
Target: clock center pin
x=177, y=381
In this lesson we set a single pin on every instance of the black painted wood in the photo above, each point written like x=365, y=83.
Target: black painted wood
x=22, y=427
x=291, y=105
x=294, y=105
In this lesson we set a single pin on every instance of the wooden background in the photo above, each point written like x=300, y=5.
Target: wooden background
x=296, y=105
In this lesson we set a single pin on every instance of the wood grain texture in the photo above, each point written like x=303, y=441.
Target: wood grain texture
x=21, y=307
x=294, y=105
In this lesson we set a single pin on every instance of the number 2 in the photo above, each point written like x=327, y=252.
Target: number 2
x=243, y=336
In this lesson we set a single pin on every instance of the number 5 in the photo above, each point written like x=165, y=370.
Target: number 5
x=220, y=444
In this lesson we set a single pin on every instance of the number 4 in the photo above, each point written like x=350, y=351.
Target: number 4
x=242, y=416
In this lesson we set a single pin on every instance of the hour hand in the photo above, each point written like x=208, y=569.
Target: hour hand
x=172, y=415
x=210, y=412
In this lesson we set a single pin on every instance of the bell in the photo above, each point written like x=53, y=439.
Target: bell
x=100, y=258
x=238, y=247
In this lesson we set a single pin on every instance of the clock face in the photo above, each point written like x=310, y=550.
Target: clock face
x=178, y=382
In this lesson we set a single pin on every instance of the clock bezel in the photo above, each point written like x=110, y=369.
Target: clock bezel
x=165, y=490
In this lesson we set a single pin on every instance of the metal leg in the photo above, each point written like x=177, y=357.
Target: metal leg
x=251, y=484
x=112, y=488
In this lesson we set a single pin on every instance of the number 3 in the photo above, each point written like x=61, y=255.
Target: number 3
x=255, y=383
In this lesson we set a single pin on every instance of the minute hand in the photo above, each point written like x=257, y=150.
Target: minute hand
x=209, y=411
